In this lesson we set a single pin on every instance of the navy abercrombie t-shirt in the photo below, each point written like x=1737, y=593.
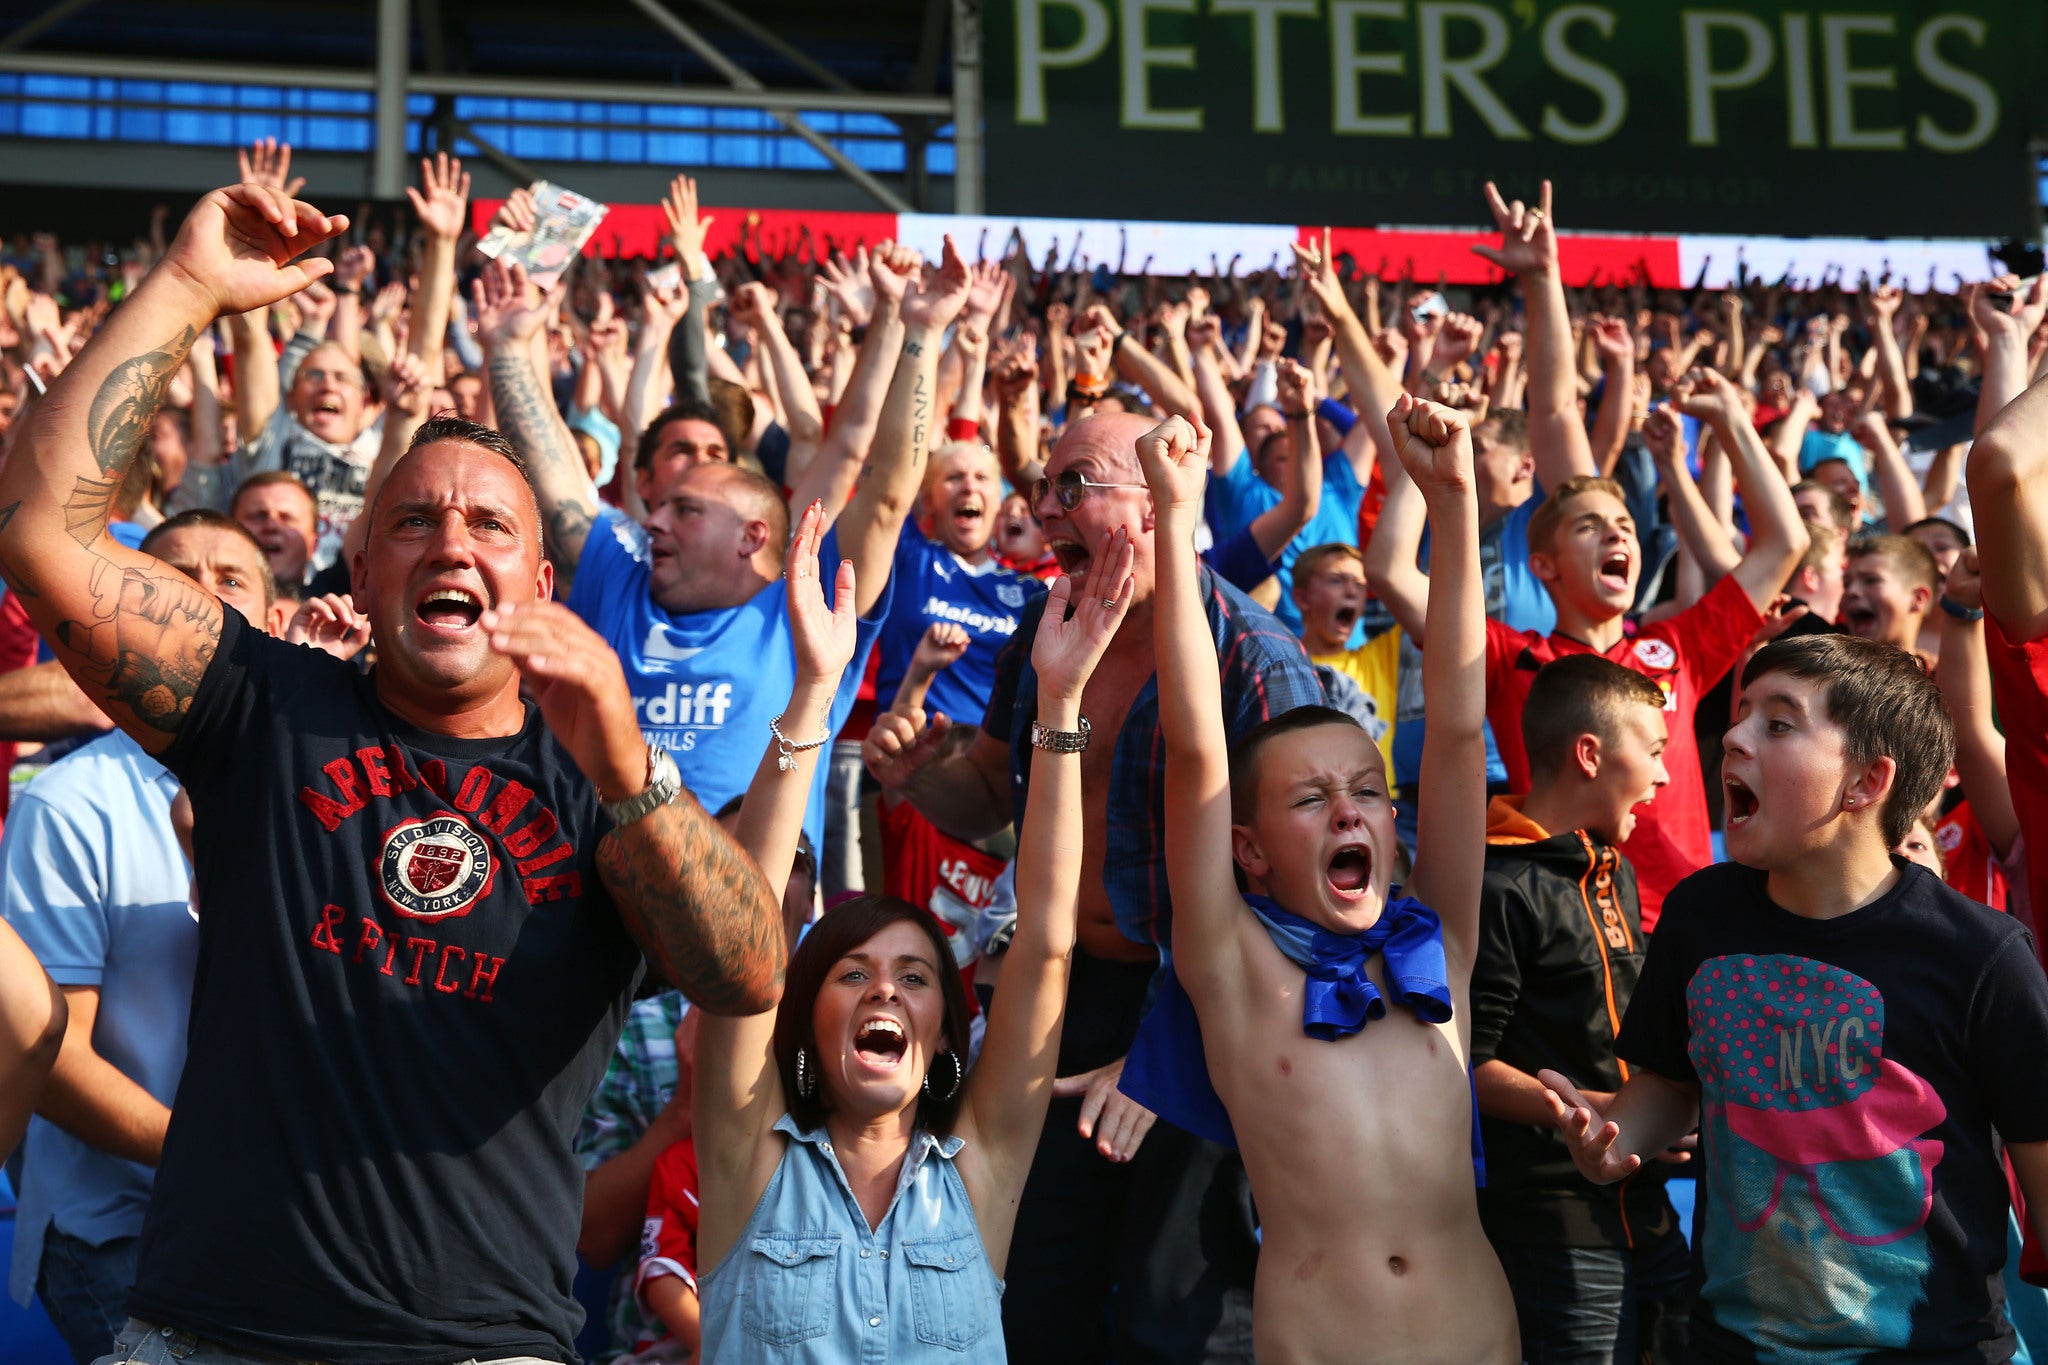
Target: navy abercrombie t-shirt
x=410, y=979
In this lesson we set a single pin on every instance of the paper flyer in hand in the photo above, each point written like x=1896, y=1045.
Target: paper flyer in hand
x=563, y=222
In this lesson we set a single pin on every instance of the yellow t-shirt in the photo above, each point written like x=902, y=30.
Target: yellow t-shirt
x=1376, y=667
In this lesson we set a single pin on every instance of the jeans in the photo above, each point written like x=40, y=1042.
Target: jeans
x=839, y=862
x=1600, y=1305
x=83, y=1287
x=145, y=1343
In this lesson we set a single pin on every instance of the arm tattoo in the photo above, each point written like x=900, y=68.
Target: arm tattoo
x=127, y=401
x=920, y=416
x=16, y=583
x=87, y=509
x=152, y=634
x=528, y=417
x=698, y=907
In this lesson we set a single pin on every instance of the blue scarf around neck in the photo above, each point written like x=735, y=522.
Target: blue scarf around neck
x=1167, y=1071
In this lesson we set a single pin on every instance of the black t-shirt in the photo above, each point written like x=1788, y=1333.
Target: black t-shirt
x=1852, y=1201
x=410, y=978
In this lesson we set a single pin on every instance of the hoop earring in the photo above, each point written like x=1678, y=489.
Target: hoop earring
x=806, y=1083
x=959, y=1074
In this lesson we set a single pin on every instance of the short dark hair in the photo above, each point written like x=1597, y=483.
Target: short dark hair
x=206, y=519
x=1913, y=562
x=1840, y=510
x=1244, y=755
x=1579, y=694
x=448, y=427
x=1956, y=529
x=1508, y=427
x=269, y=478
x=839, y=931
x=1886, y=707
x=682, y=410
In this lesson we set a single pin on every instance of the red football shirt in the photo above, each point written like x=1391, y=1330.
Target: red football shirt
x=668, y=1239
x=1971, y=866
x=2019, y=686
x=1685, y=655
x=17, y=650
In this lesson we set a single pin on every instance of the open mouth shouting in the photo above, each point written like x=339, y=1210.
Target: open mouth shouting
x=449, y=612
x=1738, y=802
x=1350, y=872
x=1613, y=573
x=968, y=514
x=880, y=1043
x=1072, y=556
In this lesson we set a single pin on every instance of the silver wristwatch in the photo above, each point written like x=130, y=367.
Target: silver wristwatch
x=663, y=784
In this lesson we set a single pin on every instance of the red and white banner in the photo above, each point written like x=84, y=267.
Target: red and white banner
x=1425, y=255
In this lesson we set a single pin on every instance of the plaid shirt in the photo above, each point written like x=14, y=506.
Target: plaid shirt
x=1265, y=672
x=638, y=1082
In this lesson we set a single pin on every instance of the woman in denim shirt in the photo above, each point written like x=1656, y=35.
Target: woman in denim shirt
x=859, y=1190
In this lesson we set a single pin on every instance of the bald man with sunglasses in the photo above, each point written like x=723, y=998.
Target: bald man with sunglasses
x=1185, y=1271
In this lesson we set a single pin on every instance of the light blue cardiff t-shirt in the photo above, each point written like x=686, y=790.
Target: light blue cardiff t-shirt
x=1236, y=500
x=92, y=878
x=933, y=584
x=705, y=684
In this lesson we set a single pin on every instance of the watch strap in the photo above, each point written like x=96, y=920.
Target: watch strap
x=663, y=782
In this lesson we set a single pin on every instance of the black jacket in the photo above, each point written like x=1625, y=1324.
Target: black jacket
x=1560, y=947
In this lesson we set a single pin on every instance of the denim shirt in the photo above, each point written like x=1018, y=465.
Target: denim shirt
x=808, y=1281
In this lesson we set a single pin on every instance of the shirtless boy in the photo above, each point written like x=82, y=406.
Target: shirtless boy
x=1353, y=1121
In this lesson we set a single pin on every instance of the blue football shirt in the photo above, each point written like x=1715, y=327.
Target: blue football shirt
x=933, y=584
x=705, y=684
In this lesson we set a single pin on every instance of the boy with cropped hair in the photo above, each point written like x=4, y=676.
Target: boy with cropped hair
x=1380, y=1255
x=1330, y=594
x=1889, y=584
x=1597, y=1272
x=1853, y=1038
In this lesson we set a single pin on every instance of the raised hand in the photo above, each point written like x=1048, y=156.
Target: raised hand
x=1612, y=341
x=442, y=198
x=505, y=307
x=989, y=284
x=1198, y=302
x=1662, y=435
x=239, y=247
x=517, y=213
x=575, y=679
x=1589, y=1137
x=940, y=647
x=317, y=304
x=823, y=635
x=353, y=266
x=1965, y=583
x=1312, y=261
x=1115, y=1121
x=686, y=230
x=847, y=281
x=899, y=745
x=1458, y=339
x=268, y=163
x=891, y=269
x=1707, y=395
x=406, y=385
x=1175, y=457
x=754, y=304
x=2026, y=313
x=1073, y=634
x=1297, y=387
x=330, y=624
x=1434, y=444
x=939, y=295
x=1528, y=237
x=1096, y=345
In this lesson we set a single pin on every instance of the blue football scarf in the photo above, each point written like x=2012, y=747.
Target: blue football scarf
x=1167, y=1071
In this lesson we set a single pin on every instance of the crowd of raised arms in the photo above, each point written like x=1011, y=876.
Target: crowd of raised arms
x=838, y=805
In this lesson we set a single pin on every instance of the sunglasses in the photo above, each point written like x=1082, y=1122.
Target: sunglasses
x=1072, y=488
